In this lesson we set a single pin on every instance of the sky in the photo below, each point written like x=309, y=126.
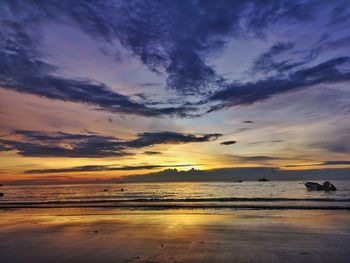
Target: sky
x=100, y=89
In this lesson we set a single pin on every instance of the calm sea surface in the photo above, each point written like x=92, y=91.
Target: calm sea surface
x=246, y=195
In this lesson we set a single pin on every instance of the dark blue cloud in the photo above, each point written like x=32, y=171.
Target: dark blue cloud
x=263, y=142
x=266, y=63
x=98, y=168
x=248, y=93
x=60, y=136
x=259, y=158
x=172, y=38
x=22, y=72
x=40, y=144
x=151, y=138
x=59, y=144
x=340, y=13
x=328, y=163
x=177, y=37
x=151, y=153
x=336, y=162
x=338, y=144
x=256, y=158
x=228, y=142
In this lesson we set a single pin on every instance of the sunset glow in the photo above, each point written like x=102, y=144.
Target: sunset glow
x=131, y=95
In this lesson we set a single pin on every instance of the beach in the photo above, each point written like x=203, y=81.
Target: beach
x=173, y=235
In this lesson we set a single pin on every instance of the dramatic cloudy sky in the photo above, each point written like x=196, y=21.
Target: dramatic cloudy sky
x=100, y=89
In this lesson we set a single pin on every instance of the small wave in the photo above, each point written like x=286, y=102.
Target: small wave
x=176, y=200
x=191, y=203
x=183, y=206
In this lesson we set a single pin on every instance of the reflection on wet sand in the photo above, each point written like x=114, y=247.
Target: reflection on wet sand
x=113, y=235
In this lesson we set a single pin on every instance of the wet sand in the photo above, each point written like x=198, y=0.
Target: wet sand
x=120, y=235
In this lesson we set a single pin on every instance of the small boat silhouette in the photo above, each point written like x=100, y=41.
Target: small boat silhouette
x=326, y=186
x=263, y=180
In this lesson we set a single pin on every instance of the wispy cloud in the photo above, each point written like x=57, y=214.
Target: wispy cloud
x=325, y=163
x=256, y=158
x=22, y=72
x=266, y=61
x=157, y=33
x=228, y=142
x=97, y=168
x=151, y=153
x=338, y=144
x=59, y=144
x=331, y=71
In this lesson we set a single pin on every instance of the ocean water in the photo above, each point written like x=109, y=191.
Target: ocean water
x=218, y=195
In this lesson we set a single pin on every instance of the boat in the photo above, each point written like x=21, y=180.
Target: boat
x=263, y=180
x=313, y=186
x=326, y=186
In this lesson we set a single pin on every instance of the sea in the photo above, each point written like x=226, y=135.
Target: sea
x=189, y=195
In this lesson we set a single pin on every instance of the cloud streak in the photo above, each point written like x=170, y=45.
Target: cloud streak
x=59, y=144
x=331, y=71
x=151, y=153
x=174, y=38
x=99, y=168
x=257, y=158
x=325, y=163
x=266, y=63
x=22, y=72
x=228, y=142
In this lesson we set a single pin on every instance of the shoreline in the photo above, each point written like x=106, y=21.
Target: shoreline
x=179, y=207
